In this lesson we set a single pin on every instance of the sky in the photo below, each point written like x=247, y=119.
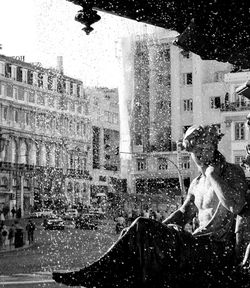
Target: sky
x=41, y=30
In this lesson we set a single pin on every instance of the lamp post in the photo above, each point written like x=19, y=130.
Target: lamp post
x=181, y=182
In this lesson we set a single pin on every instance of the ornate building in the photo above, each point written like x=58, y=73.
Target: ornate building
x=44, y=136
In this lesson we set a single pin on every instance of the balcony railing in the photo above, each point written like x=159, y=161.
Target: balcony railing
x=9, y=166
x=235, y=106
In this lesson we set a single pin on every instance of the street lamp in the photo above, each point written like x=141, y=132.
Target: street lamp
x=181, y=182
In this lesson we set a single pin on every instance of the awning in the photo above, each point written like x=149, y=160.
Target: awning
x=244, y=90
x=213, y=29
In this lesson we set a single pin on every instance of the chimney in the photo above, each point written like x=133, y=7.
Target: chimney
x=60, y=64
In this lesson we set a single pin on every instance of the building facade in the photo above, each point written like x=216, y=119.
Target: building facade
x=45, y=143
x=105, y=159
x=164, y=90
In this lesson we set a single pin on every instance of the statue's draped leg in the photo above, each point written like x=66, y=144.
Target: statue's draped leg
x=146, y=255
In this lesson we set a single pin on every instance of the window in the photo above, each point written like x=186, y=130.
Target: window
x=2, y=89
x=71, y=88
x=164, y=54
x=50, y=82
x=138, y=139
x=187, y=79
x=31, y=96
x=84, y=127
x=30, y=77
x=215, y=102
x=78, y=128
x=19, y=74
x=188, y=105
x=219, y=76
x=7, y=70
x=5, y=113
x=51, y=101
x=115, y=118
x=160, y=105
x=2, y=68
x=238, y=159
x=9, y=90
x=40, y=99
x=40, y=80
x=16, y=116
x=27, y=118
x=162, y=164
x=102, y=178
x=21, y=94
x=72, y=106
x=185, y=54
x=160, y=79
x=141, y=164
x=78, y=91
x=15, y=93
x=239, y=131
x=184, y=162
x=79, y=109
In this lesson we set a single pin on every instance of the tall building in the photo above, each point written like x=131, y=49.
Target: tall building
x=234, y=111
x=44, y=136
x=164, y=90
x=105, y=159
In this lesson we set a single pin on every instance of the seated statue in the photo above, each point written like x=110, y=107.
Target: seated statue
x=153, y=254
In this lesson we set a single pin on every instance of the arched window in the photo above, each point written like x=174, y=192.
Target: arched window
x=4, y=182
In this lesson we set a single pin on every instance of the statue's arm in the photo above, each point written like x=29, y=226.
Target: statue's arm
x=186, y=212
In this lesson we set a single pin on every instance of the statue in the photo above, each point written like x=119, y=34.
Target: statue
x=156, y=255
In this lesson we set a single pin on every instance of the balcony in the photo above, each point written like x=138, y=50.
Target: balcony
x=235, y=106
x=75, y=173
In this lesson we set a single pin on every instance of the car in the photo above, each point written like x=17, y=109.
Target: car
x=70, y=214
x=54, y=223
x=87, y=221
x=35, y=214
x=41, y=213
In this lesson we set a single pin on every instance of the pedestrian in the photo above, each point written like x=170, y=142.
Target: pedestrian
x=6, y=210
x=154, y=254
x=18, y=235
x=11, y=235
x=1, y=238
x=30, y=228
x=4, y=236
x=13, y=212
x=2, y=215
x=19, y=213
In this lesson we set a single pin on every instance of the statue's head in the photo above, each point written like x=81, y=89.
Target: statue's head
x=202, y=141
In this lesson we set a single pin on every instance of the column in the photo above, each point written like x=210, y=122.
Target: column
x=45, y=81
x=21, y=193
x=24, y=75
x=35, y=78
x=13, y=72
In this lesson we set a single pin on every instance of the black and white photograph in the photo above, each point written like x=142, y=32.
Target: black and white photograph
x=125, y=143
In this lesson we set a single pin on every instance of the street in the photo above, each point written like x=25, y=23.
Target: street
x=54, y=250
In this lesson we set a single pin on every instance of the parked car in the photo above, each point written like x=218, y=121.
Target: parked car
x=87, y=221
x=54, y=223
x=70, y=214
x=41, y=213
